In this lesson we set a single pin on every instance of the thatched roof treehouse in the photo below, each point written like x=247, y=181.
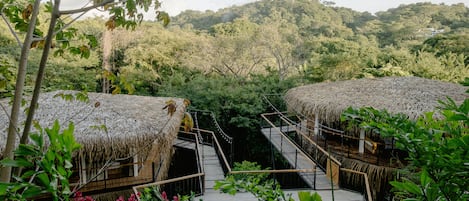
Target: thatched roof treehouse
x=126, y=140
x=323, y=103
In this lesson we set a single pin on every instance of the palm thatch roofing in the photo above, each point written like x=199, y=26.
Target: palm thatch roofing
x=411, y=96
x=108, y=126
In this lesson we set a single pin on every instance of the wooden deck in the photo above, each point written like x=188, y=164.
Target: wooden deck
x=349, y=148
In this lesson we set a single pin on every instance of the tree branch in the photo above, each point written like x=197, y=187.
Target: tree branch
x=85, y=9
x=70, y=23
x=6, y=113
x=11, y=29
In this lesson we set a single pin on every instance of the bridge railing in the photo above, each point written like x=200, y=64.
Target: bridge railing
x=275, y=174
x=285, y=147
x=207, y=119
x=199, y=154
x=326, y=161
x=194, y=183
x=212, y=140
x=364, y=189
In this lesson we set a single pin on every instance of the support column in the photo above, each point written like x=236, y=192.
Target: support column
x=82, y=169
x=316, y=124
x=361, y=144
x=135, y=161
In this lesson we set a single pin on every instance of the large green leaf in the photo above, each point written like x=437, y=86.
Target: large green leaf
x=407, y=186
x=16, y=163
x=3, y=188
x=307, y=196
x=25, y=150
x=44, y=178
x=32, y=191
x=304, y=196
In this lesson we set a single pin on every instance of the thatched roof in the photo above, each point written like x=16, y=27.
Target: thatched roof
x=408, y=95
x=132, y=122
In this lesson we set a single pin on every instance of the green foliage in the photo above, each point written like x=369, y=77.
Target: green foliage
x=261, y=187
x=437, y=148
x=154, y=193
x=301, y=37
x=246, y=165
x=80, y=96
x=236, y=102
x=444, y=44
x=7, y=77
x=258, y=184
x=425, y=190
x=47, y=165
x=307, y=196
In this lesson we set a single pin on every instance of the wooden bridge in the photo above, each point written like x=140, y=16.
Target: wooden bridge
x=213, y=170
x=213, y=166
x=290, y=139
x=315, y=178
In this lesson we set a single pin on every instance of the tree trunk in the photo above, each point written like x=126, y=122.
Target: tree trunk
x=40, y=74
x=5, y=172
x=107, y=48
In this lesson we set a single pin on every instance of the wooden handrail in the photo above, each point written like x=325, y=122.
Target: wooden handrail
x=200, y=158
x=288, y=140
x=312, y=142
x=367, y=183
x=109, y=167
x=272, y=171
x=134, y=188
x=225, y=161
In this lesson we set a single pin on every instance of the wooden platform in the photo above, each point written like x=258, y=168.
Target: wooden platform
x=349, y=149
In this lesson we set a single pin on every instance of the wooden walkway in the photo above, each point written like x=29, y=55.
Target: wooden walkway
x=214, y=172
x=211, y=165
x=298, y=159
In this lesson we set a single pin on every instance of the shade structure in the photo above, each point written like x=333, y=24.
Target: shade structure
x=107, y=126
x=411, y=96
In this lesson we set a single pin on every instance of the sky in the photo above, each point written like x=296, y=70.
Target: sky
x=174, y=7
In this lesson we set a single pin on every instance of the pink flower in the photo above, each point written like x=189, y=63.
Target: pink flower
x=175, y=198
x=132, y=198
x=88, y=198
x=164, y=196
x=121, y=198
x=78, y=194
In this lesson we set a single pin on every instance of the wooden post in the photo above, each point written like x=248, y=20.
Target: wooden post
x=135, y=161
x=82, y=169
x=361, y=144
x=316, y=124
x=332, y=171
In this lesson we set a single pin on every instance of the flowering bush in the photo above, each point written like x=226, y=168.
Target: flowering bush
x=78, y=196
x=148, y=194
